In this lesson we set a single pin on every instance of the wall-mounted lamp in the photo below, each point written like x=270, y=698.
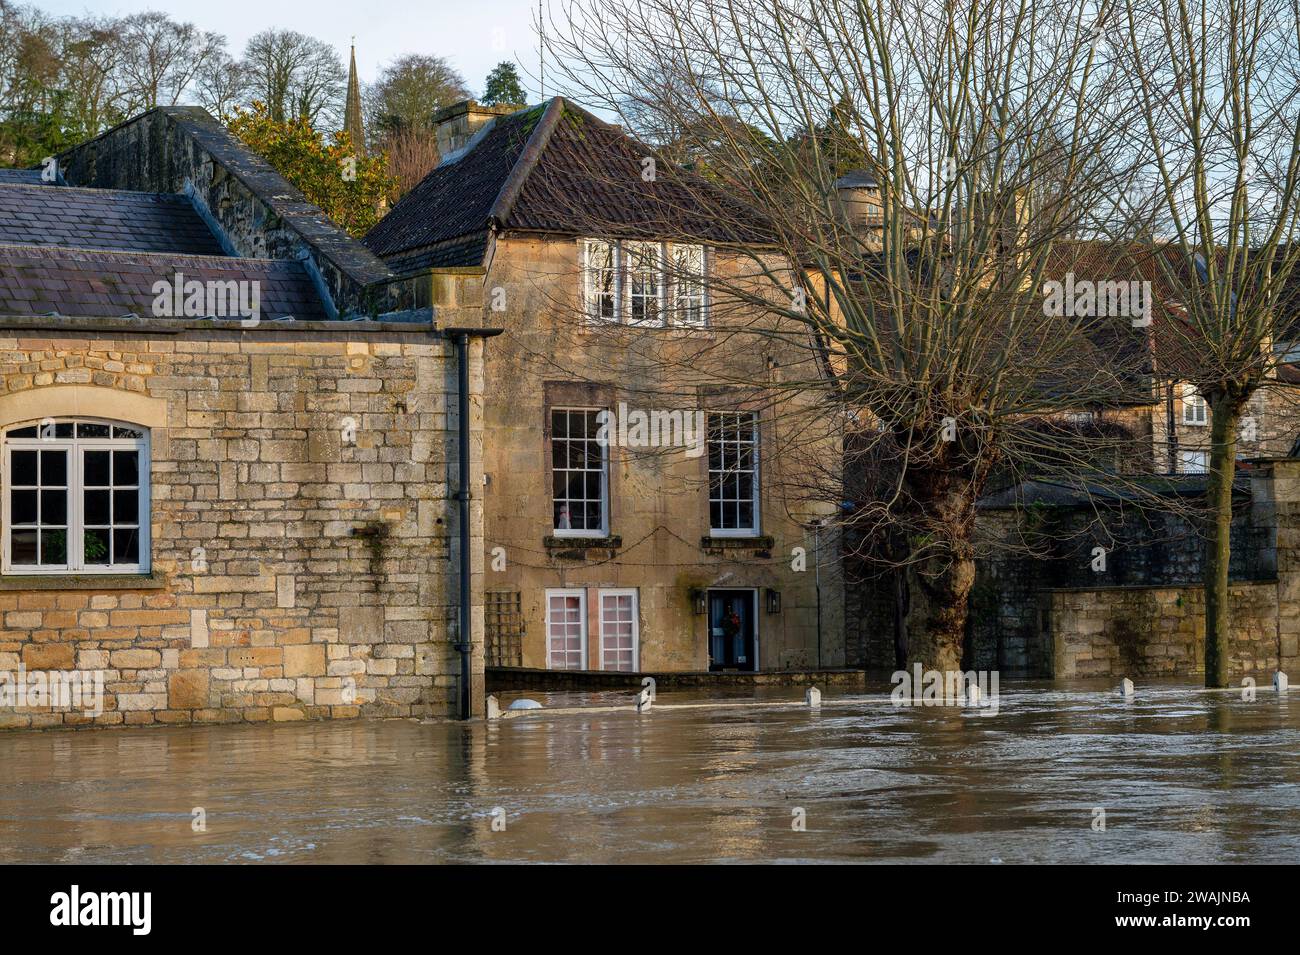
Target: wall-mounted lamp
x=773, y=600
x=698, y=602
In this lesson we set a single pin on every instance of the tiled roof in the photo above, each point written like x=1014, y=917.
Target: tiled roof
x=31, y=177
x=455, y=199
x=103, y=219
x=553, y=169
x=75, y=283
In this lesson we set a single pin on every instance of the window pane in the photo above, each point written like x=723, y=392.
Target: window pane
x=28, y=432
x=54, y=507
x=92, y=430
x=95, y=465
x=96, y=508
x=126, y=545
x=22, y=547
x=127, y=433
x=126, y=507
x=96, y=545
x=24, y=469
x=126, y=471
x=54, y=546
x=54, y=468
x=22, y=507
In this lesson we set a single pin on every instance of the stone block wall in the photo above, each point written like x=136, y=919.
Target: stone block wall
x=1158, y=631
x=297, y=573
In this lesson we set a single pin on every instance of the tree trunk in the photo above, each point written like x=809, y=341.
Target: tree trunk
x=939, y=586
x=1225, y=419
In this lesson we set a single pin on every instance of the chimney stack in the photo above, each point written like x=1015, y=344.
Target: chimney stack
x=456, y=124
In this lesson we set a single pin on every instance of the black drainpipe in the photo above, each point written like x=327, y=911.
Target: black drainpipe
x=465, y=646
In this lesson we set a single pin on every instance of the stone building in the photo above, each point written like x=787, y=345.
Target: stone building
x=230, y=445
x=639, y=552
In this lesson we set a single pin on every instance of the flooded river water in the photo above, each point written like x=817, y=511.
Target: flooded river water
x=1181, y=776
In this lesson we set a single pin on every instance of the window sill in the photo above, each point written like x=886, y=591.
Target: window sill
x=594, y=326
x=757, y=542
x=152, y=581
x=575, y=548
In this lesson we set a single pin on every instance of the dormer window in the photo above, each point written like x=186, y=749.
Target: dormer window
x=644, y=283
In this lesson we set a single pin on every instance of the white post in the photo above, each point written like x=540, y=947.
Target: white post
x=1280, y=682
x=493, y=708
x=643, y=700
x=812, y=698
x=1126, y=688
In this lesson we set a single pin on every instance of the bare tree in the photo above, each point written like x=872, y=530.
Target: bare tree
x=411, y=152
x=162, y=58
x=222, y=86
x=1219, y=83
x=296, y=76
x=986, y=134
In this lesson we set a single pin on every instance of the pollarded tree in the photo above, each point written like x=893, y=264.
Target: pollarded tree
x=1219, y=83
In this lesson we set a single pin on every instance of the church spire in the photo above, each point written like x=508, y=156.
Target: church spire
x=352, y=110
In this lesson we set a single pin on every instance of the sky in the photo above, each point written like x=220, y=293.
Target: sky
x=473, y=35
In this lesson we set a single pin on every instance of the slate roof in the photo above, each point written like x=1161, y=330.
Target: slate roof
x=553, y=169
x=103, y=219
x=96, y=253
x=31, y=177
x=81, y=283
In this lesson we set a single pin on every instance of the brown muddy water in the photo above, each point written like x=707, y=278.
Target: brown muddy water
x=1182, y=776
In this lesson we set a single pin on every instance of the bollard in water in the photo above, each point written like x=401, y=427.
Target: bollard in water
x=812, y=697
x=493, y=708
x=644, y=699
x=973, y=695
x=1126, y=688
x=1280, y=681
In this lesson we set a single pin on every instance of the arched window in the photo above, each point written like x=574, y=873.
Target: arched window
x=76, y=497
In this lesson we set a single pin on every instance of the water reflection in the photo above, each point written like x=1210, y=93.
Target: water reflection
x=1182, y=777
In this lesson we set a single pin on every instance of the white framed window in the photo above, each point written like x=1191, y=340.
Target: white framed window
x=643, y=266
x=733, y=473
x=76, y=498
x=644, y=283
x=689, y=289
x=1193, y=462
x=566, y=629
x=600, y=280
x=1195, y=410
x=579, y=473
x=620, y=636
